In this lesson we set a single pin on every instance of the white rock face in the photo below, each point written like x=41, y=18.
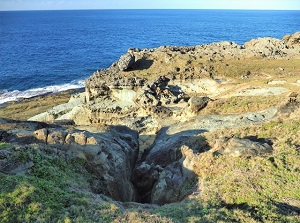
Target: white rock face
x=124, y=94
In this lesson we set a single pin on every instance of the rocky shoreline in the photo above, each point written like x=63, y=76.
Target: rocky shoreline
x=142, y=125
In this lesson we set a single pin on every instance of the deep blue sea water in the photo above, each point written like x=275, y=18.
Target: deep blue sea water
x=44, y=51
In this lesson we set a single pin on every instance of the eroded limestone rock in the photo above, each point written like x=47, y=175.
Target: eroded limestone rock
x=126, y=61
x=292, y=40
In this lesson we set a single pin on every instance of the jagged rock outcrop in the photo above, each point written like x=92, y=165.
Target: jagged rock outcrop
x=159, y=82
x=126, y=61
x=292, y=40
x=117, y=74
x=155, y=93
x=266, y=47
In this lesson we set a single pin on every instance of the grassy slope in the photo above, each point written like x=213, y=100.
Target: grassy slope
x=56, y=189
x=257, y=189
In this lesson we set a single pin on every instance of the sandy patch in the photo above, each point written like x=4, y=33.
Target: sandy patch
x=261, y=91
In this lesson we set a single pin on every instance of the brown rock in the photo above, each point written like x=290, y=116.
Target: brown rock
x=56, y=137
x=126, y=61
x=41, y=134
x=80, y=138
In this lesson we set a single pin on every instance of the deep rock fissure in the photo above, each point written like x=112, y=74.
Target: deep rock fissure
x=164, y=172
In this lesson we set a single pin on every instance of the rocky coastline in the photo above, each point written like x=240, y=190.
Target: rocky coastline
x=142, y=126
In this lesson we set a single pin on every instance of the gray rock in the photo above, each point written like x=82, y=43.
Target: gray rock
x=126, y=61
x=166, y=169
x=197, y=103
x=56, y=136
x=110, y=153
x=237, y=147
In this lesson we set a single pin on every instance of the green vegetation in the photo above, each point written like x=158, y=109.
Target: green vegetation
x=4, y=145
x=257, y=67
x=54, y=190
x=257, y=189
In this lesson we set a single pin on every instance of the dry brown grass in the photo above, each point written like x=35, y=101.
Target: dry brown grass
x=164, y=64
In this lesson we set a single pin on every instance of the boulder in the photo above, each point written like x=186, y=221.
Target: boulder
x=197, y=103
x=41, y=134
x=56, y=136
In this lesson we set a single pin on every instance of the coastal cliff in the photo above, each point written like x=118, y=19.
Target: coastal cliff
x=208, y=131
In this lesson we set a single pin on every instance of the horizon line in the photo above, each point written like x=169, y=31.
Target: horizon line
x=75, y=9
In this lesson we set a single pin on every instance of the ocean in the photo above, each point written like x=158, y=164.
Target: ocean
x=52, y=51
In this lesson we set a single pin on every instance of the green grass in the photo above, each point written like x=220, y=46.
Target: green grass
x=257, y=189
x=55, y=190
x=4, y=145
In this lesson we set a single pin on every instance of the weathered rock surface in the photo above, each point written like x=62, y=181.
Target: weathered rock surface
x=126, y=61
x=166, y=170
x=292, y=40
x=110, y=153
x=197, y=103
x=159, y=82
x=237, y=147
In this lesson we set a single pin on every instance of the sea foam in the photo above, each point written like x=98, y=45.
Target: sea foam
x=7, y=96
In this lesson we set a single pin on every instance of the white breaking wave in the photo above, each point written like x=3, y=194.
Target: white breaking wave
x=6, y=96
